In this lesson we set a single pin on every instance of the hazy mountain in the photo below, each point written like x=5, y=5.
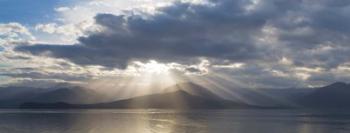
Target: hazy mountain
x=181, y=96
x=14, y=96
x=336, y=95
x=193, y=89
x=74, y=95
x=273, y=96
x=13, y=92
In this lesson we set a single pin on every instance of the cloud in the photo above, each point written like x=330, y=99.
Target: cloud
x=14, y=33
x=180, y=32
x=66, y=32
x=276, y=42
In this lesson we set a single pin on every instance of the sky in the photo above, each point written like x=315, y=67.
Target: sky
x=23, y=11
x=222, y=43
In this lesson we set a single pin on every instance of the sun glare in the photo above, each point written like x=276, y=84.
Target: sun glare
x=152, y=75
x=153, y=67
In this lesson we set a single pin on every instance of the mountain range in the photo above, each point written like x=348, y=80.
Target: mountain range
x=11, y=97
x=336, y=95
x=179, y=96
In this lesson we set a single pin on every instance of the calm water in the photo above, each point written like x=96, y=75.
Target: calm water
x=167, y=121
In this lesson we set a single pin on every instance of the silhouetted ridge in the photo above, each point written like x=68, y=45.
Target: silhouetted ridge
x=336, y=85
x=336, y=95
x=178, y=99
x=12, y=97
x=193, y=96
x=194, y=89
x=74, y=95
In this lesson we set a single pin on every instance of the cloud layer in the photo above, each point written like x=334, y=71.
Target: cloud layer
x=292, y=42
x=180, y=32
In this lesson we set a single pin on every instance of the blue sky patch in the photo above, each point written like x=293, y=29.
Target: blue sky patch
x=28, y=11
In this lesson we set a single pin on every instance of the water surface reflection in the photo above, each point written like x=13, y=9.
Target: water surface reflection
x=169, y=121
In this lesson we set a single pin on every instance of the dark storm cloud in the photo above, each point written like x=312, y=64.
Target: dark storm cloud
x=181, y=32
x=314, y=33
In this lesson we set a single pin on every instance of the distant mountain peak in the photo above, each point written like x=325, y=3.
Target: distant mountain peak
x=194, y=89
x=338, y=84
x=336, y=95
x=181, y=98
